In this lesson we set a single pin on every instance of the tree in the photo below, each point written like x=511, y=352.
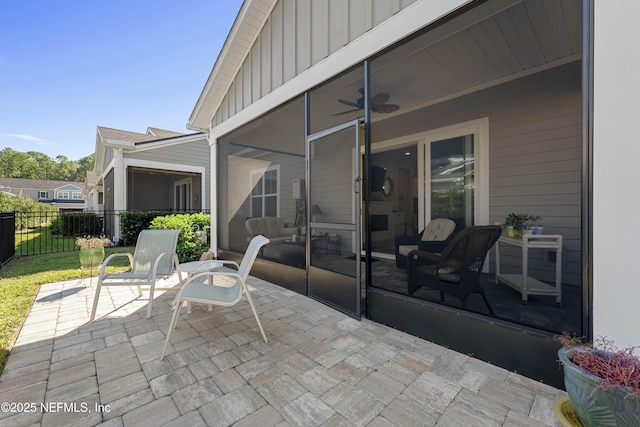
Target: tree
x=14, y=164
x=35, y=165
x=46, y=165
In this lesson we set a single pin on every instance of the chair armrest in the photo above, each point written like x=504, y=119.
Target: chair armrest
x=229, y=262
x=111, y=257
x=404, y=240
x=419, y=258
x=159, y=258
x=417, y=275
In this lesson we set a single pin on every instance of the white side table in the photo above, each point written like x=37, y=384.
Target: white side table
x=194, y=267
x=524, y=283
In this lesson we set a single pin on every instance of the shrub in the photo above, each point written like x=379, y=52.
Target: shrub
x=30, y=213
x=76, y=224
x=132, y=223
x=189, y=246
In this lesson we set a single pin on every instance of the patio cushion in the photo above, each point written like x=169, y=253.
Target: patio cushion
x=271, y=227
x=405, y=249
x=438, y=229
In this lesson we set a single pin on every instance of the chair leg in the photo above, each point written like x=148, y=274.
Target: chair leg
x=486, y=301
x=150, y=305
x=95, y=301
x=172, y=324
x=255, y=313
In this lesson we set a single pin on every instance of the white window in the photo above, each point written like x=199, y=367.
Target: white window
x=182, y=195
x=62, y=195
x=77, y=195
x=43, y=195
x=455, y=173
x=265, y=195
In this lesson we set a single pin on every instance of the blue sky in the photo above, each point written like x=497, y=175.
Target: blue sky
x=68, y=66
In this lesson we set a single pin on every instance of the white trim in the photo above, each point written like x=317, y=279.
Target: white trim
x=116, y=143
x=163, y=165
x=409, y=20
x=174, y=167
x=163, y=143
x=261, y=172
x=178, y=184
x=480, y=130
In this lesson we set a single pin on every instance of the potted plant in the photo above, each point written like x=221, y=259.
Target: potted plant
x=517, y=222
x=534, y=223
x=91, y=250
x=602, y=381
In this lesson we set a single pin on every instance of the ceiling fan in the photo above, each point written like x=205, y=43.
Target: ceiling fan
x=378, y=103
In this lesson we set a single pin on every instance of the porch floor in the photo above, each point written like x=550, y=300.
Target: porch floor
x=320, y=367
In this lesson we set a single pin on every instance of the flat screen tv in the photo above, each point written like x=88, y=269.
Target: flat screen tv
x=377, y=178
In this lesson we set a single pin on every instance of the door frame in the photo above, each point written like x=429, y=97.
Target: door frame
x=480, y=130
x=320, y=274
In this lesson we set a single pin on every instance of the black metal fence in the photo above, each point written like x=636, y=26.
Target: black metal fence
x=41, y=232
x=7, y=236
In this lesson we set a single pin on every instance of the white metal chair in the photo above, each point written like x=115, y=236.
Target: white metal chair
x=202, y=287
x=155, y=255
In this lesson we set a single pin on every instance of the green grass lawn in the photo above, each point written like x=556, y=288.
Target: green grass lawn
x=40, y=241
x=21, y=278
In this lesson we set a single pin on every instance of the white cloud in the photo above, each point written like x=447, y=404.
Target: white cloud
x=28, y=138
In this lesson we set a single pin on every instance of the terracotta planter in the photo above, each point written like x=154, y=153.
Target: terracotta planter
x=597, y=407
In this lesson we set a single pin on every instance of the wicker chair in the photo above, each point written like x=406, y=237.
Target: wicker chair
x=434, y=238
x=457, y=270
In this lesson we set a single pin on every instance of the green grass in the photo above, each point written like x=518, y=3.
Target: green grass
x=40, y=241
x=20, y=280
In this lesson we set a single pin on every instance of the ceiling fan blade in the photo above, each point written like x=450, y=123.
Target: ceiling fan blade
x=380, y=98
x=385, y=108
x=349, y=103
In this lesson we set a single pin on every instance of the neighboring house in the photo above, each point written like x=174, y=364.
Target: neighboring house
x=65, y=195
x=468, y=109
x=157, y=170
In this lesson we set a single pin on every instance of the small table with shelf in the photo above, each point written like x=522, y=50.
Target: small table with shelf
x=524, y=283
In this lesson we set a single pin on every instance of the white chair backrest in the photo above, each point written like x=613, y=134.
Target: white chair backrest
x=150, y=244
x=250, y=255
x=438, y=229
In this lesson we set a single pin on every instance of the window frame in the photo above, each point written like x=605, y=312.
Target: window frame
x=253, y=198
x=183, y=185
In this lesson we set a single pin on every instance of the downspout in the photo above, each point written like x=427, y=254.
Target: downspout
x=213, y=143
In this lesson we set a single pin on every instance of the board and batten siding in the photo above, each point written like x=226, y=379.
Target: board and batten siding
x=297, y=35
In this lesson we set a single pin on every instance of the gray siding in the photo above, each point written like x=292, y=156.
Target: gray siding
x=297, y=35
x=197, y=153
x=534, y=156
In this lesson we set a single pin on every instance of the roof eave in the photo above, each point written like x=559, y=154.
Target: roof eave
x=225, y=69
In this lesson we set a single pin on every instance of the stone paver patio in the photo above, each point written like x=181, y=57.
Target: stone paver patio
x=320, y=367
